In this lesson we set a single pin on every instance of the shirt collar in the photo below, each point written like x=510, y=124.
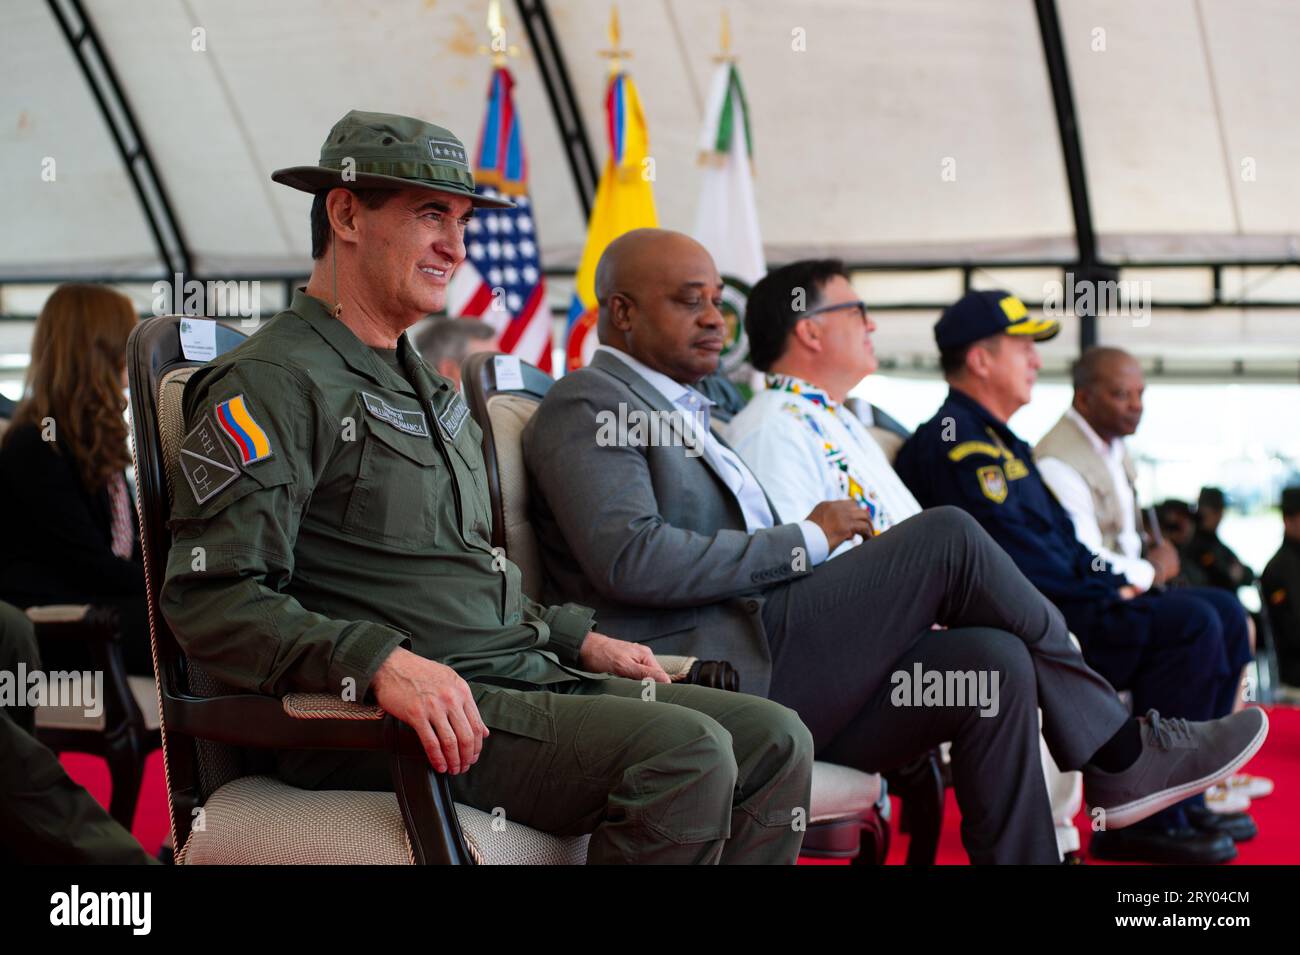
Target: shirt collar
x=673, y=391
x=356, y=353
x=797, y=386
x=960, y=398
x=1105, y=449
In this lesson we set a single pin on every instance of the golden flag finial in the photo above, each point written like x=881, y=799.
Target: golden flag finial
x=725, y=55
x=499, y=49
x=616, y=54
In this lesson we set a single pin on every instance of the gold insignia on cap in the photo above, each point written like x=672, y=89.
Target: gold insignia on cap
x=1013, y=308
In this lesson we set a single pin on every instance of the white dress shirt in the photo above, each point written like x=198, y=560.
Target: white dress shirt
x=738, y=478
x=807, y=448
x=1072, y=491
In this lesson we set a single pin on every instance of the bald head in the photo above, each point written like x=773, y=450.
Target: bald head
x=1100, y=362
x=1108, y=390
x=660, y=301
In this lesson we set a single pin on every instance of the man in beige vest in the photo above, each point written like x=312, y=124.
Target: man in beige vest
x=1086, y=464
x=1084, y=461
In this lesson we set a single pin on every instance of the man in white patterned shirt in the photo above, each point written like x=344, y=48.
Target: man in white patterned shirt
x=797, y=435
x=804, y=445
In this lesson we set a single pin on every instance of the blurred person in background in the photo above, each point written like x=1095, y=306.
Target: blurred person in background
x=1281, y=580
x=444, y=343
x=1177, y=520
x=1215, y=559
x=70, y=533
x=1087, y=465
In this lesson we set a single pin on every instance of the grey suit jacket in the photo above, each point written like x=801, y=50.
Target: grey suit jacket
x=650, y=537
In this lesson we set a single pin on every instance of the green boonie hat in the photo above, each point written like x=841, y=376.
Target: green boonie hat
x=389, y=152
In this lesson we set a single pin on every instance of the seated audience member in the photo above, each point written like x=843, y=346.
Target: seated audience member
x=1173, y=651
x=70, y=534
x=667, y=534
x=797, y=436
x=1281, y=583
x=444, y=343
x=364, y=566
x=1212, y=556
x=803, y=444
x=1177, y=520
x=1085, y=463
x=46, y=818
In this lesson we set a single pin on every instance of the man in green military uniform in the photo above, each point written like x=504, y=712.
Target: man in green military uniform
x=45, y=817
x=332, y=534
x=1281, y=584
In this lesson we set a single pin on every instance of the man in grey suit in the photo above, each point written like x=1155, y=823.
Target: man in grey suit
x=647, y=517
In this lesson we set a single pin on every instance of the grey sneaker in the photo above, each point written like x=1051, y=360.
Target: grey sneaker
x=1179, y=759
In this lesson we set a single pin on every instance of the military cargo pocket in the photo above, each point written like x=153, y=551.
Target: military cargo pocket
x=516, y=762
x=394, y=496
x=503, y=709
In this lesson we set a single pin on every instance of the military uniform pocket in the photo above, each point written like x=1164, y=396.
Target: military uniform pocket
x=393, y=497
x=515, y=768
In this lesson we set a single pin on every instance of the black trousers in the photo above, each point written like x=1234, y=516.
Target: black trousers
x=846, y=643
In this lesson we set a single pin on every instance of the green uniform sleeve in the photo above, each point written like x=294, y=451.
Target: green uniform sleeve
x=232, y=555
x=569, y=625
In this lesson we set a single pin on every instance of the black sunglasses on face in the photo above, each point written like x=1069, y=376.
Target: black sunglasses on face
x=860, y=305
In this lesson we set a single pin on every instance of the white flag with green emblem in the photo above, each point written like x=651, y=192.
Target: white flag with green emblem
x=726, y=221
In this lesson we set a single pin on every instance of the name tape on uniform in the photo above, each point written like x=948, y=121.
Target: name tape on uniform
x=407, y=421
x=206, y=461
x=453, y=417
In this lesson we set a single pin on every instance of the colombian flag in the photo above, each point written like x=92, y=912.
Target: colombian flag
x=624, y=201
x=249, y=438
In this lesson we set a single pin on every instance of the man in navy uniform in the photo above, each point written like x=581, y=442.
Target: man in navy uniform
x=1172, y=652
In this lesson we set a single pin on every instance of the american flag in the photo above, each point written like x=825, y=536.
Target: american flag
x=501, y=279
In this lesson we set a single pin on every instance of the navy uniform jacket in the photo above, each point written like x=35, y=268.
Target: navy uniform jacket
x=965, y=457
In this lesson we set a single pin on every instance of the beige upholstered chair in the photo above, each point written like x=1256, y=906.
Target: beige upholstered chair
x=889, y=441
x=848, y=816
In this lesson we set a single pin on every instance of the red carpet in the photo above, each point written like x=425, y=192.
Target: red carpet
x=1276, y=816
x=1279, y=823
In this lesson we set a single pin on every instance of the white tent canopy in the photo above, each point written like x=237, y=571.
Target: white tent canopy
x=887, y=132
x=859, y=108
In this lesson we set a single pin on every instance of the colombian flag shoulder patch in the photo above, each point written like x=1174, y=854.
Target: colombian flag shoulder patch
x=250, y=441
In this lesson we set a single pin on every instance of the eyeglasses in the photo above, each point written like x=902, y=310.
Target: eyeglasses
x=860, y=305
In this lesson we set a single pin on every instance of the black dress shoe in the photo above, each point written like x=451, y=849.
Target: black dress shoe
x=1178, y=846
x=1238, y=826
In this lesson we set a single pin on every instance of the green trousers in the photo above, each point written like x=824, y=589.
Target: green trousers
x=663, y=773
x=44, y=816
